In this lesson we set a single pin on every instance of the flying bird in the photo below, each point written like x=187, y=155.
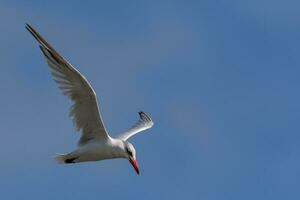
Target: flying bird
x=95, y=143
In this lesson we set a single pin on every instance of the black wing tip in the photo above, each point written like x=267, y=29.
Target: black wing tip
x=144, y=116
x=141, y=113
x=44, y=51
x=33, y=32
x=28, y=27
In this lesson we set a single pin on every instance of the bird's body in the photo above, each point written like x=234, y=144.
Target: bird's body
x=95, y=143
x=96, y=150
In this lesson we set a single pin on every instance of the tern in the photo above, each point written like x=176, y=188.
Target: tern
x=95, y=143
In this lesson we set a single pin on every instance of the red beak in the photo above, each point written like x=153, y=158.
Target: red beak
x=134, y=165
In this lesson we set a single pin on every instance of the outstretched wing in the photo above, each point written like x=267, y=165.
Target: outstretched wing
x=84, y=111
x=145, y=122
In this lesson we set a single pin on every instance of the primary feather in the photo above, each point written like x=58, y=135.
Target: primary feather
x=145, y=122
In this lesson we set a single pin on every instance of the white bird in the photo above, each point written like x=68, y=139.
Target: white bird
x=95, y=143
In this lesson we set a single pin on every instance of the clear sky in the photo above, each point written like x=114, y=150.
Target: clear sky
x=219, y=78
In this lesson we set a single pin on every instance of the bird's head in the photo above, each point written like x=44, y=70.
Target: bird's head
x=131, y=156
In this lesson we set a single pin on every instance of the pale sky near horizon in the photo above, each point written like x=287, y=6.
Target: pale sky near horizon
x=219, y=78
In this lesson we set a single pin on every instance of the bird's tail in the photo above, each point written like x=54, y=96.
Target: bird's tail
x=61, y=158
x=66, y=158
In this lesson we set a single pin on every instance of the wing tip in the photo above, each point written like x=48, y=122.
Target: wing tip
x=28, y=27
x=145, y=117
x=31, y=30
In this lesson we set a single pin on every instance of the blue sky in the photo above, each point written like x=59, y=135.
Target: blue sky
x=219, y=78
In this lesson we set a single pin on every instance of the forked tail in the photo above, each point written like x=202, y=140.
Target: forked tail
x=65, y=159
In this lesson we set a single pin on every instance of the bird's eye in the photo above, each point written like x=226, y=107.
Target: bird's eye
x=129, y=152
